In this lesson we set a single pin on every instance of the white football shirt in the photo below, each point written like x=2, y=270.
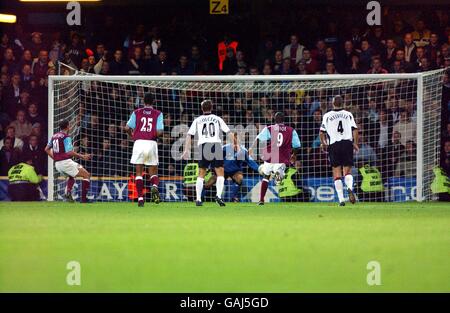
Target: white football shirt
x=338, y=124
x=209, y=128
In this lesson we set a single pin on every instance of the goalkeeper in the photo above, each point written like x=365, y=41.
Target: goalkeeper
x=234, y=159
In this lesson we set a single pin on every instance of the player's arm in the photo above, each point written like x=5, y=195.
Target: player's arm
x=250, y=161
x=68, y=148
x=160, y=125
x=48, y=149
x=355, y=139
x=295, y=146
x=232, y=137
x=354, y=133
x=323, y=135
x=131, y=125
x=264, y=135
x=187, y=143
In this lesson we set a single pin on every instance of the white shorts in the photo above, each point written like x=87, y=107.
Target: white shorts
x=269, y=169
x=68, y=167
x=145, y=152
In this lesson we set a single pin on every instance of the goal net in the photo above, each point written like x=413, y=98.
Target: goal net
x=398, y=116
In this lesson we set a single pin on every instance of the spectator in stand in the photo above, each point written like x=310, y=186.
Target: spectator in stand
x=377, y=40
x=407, y=166
x=311, y=65
x=405, y=127
x=76, y=50
x=195, y=59
x=278, y=61
x=293, y=51
x=445, y=158
x=9, y=60
x=365, y=155
x=433, y=49
x=388, y=54
x=27, y=59
x=301, y=70
x=330, y=57
x=253, y=70
x=444, y=54
x=36, y=44
x=136, y=40
x=390, y=155
x=229, y=65
x=148, y=59
x=27, y=80
x=100, y=51
x=40, y=67
x=67, y=60
x=384, y=130
x=136, y=64
x=240, y=58
x=354, y=68
x=424, y=65
x=409, y=48
x=183, y=67
x=21, y=125
x=4, y=43
x=12, y=94
x=161, y=65
x=265, y=51
x=346, y=62
x=330, y=68
x=420, y=53
x=421, y=36
x=34, y=150
x=286, y=68
x=400, y=62
x=377, y=67
x=117, y=66
x=9, y=156
x=86, y=67
x=365, y=57
x=242, y=70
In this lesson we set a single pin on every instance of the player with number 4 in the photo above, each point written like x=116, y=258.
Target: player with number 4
x=145, y=126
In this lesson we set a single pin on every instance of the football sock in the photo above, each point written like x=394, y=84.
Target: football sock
x=349, y=181
x=220, y=182
x=264, y=185
x=339, y=188
x=84, y=189
x=154, y=181
x=140, y=187
x=199, y=188
x=69, y=185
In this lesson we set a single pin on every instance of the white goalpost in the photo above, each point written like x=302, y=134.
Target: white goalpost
x=398, y=116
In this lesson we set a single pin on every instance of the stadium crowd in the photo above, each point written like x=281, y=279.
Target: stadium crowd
x=388, y=138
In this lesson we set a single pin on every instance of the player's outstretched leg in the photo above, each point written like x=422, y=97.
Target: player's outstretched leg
x=349, y=183
x=68, y=191
x=264, y=186
x=140, y=190
x=339, y=190
x=85, y=183
x=198, y=190
x=220, y=183
x=154, y=181
x=236, y=187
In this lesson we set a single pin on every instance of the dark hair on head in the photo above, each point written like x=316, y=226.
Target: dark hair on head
x=207, y=105
x=279, y=117
x=63, y=124
x=148, y=98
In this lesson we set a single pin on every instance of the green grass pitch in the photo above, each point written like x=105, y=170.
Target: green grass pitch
x=177, y=247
